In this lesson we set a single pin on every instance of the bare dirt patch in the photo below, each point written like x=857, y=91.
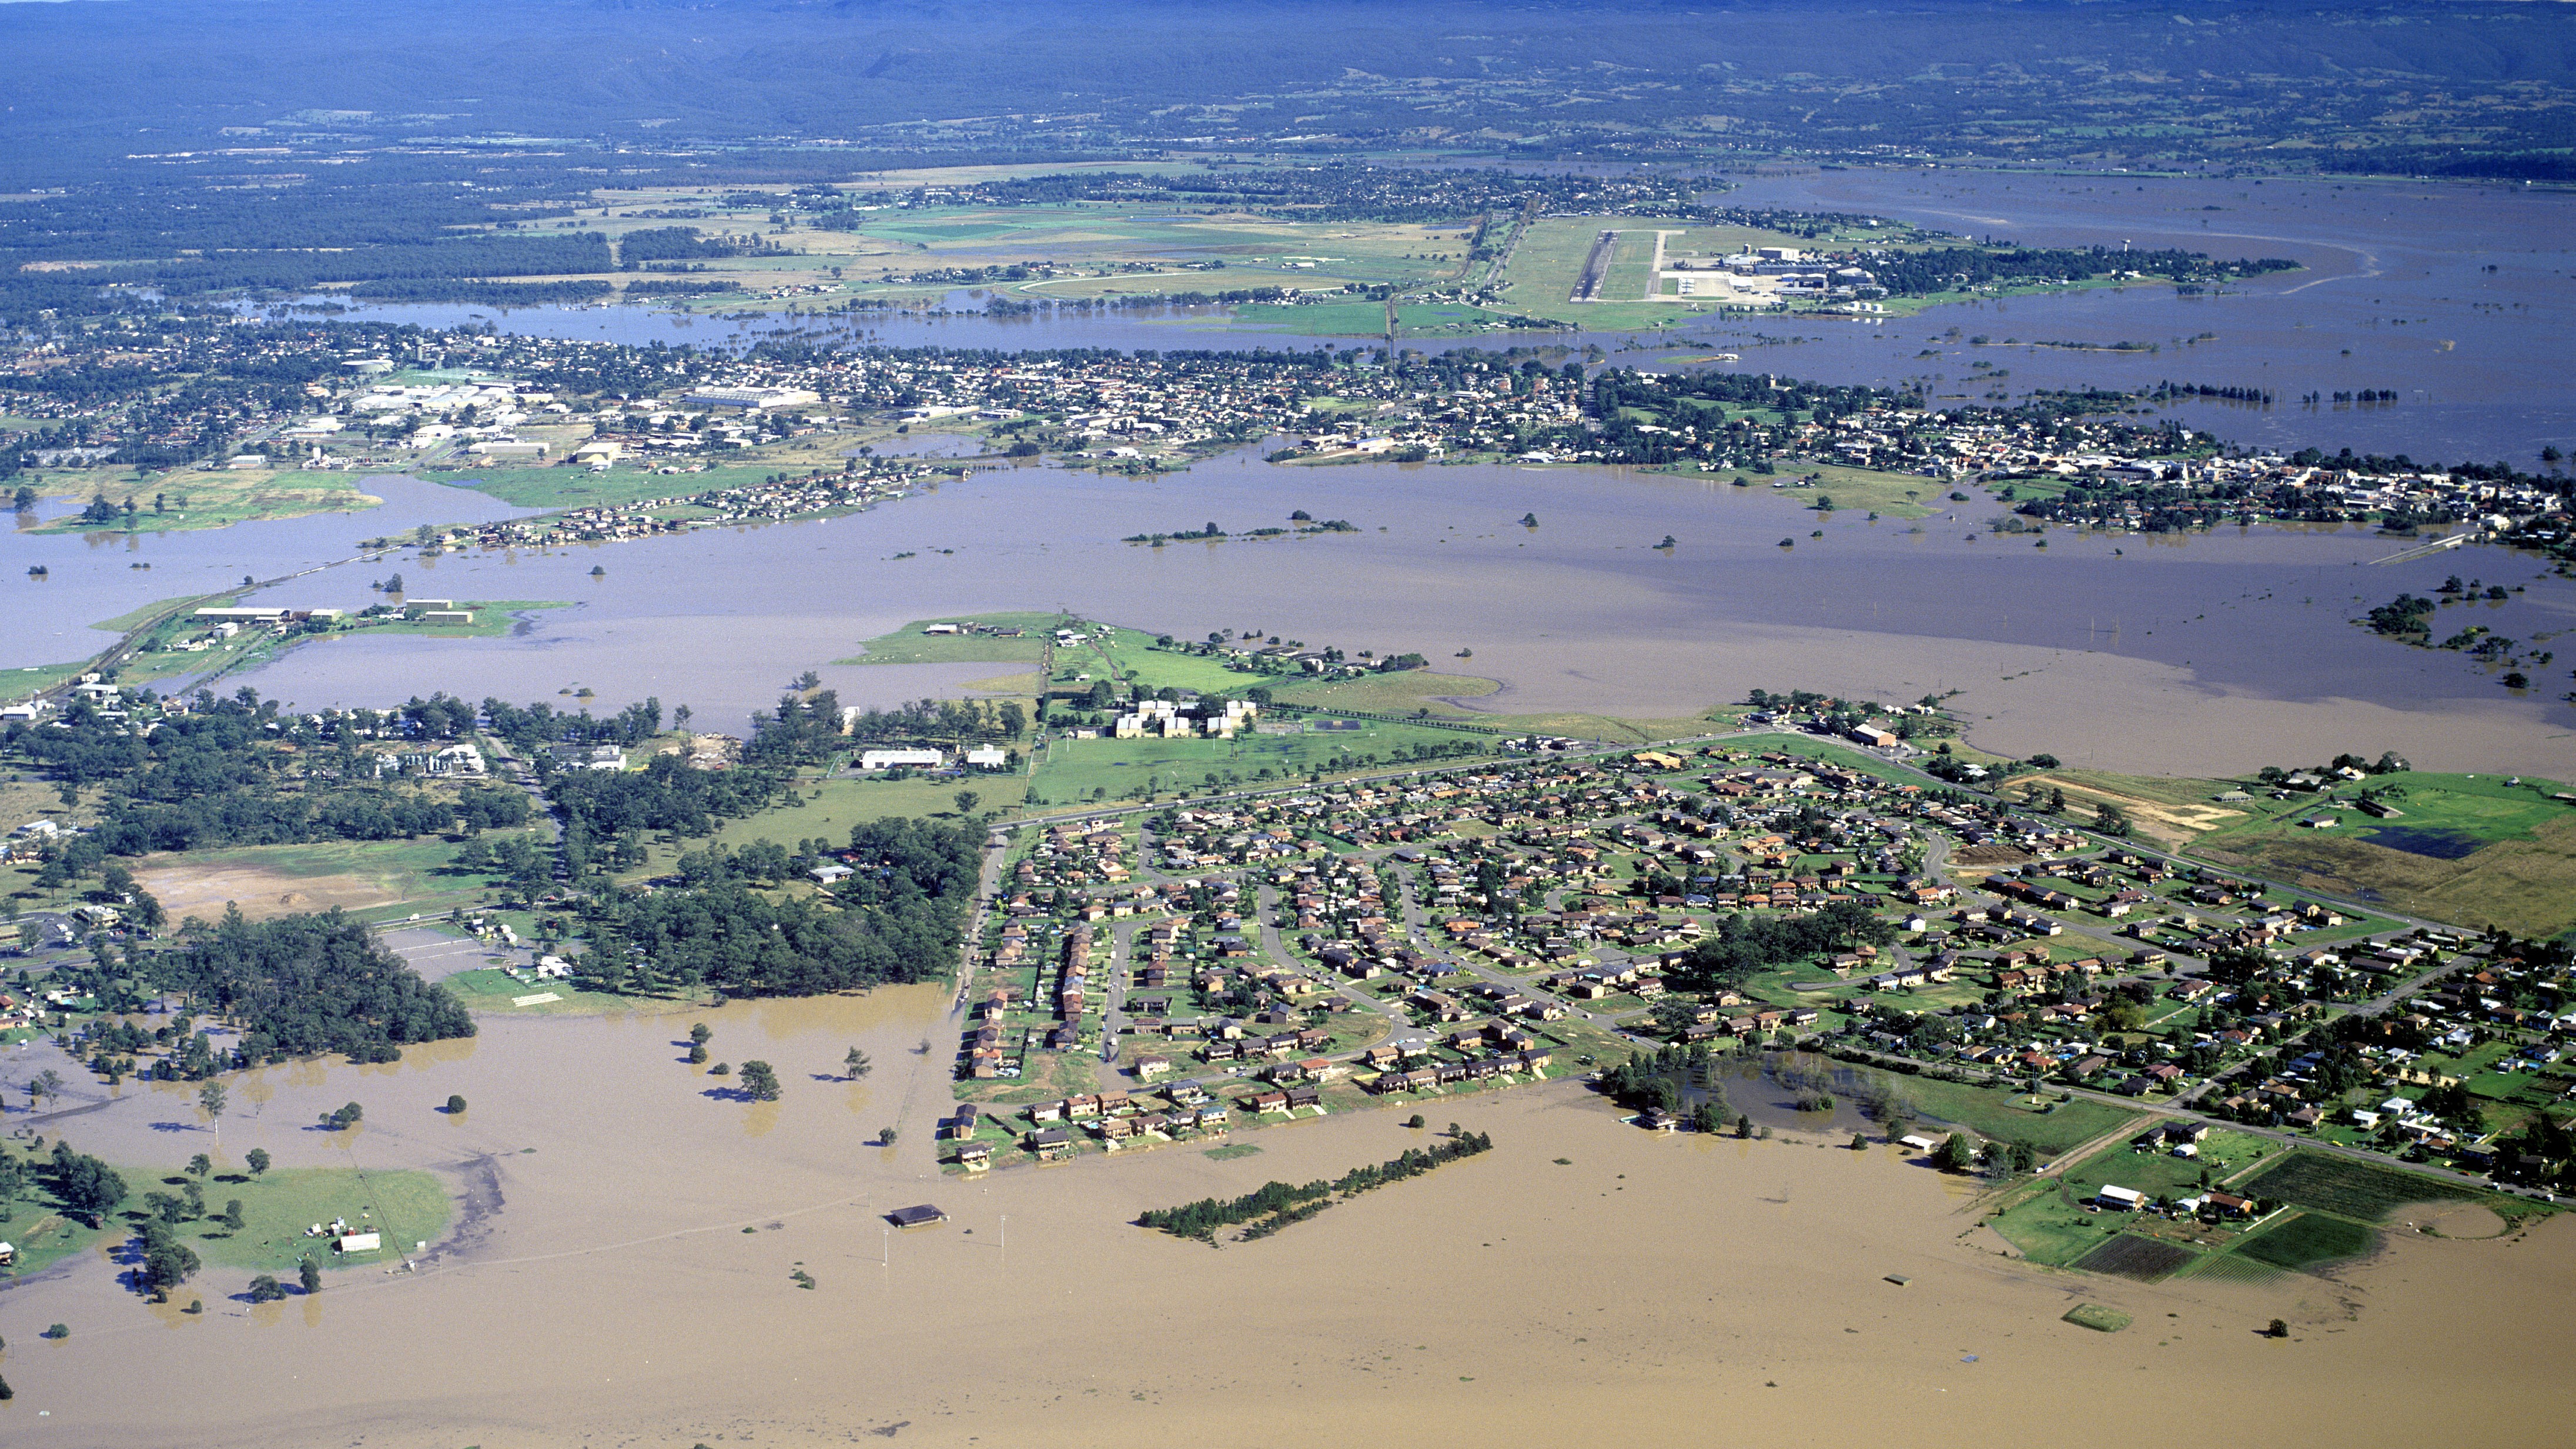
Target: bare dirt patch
x=261, y=893
x=1990, y=855
x=2163, y=821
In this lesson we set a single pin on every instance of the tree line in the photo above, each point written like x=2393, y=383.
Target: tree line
x=1275, y=1205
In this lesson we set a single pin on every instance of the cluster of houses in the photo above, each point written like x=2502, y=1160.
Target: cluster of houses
x=1116, y=1119
x=1077, y=855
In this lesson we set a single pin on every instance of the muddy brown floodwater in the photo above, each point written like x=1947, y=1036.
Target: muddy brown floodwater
x=602, y=1288
x=2203, y=654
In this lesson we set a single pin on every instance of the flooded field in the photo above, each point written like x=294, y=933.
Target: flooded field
x=2195, y=654
x=2448, y=294
x=97, y=576
x=621, y=1275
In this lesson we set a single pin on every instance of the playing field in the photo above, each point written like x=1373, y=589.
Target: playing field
x=277, y=880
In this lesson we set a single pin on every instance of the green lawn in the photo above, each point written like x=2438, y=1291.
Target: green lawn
x=278, y=1205
x=552, y=487
x=22, y=682
x=1400, y=693
x=493, y=619
x=2098, y=1318
x=1810, y=748
x=43, y=1238
x=2000, y=1115
x=2049, y=1225
x=827, y=809
x=132, y=617
x=2161, y=1174
x=491, y=989
x=1072, y=770
x=832, y=807
x=2483, y=852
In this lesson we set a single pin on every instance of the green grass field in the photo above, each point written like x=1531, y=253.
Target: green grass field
x=2047, y=1222
x=278, y=1205
x=1811, y=748
x=44, y=1238
x=214, y=499
x=2303, y=1240
x=133, y=617
x=20, y=683
x=1129, y=769
x=1549, y=260
x=1399, y=693
x=2161, y=1174
x=2000, y=1115
x=493, y=619
x=832, y=807
x=908, y=645
x=1860, y=491
x=2480, y=851
x=628, y=483
x=492, y=990
x=1112, y=652
x=2479, y=809
x=2097, y=1317
x=827, y=809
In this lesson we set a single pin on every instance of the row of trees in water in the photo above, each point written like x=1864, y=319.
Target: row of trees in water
x=1275, y=1205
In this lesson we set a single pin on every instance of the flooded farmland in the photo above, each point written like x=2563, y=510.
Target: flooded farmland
x=2169, y=653
x=622, y=1276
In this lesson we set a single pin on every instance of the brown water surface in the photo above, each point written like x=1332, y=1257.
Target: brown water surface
x=2202, y=654
x=603, y=1289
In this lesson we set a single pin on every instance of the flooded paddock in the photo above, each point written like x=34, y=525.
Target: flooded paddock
x=2193, y=654
x=621, y=1274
